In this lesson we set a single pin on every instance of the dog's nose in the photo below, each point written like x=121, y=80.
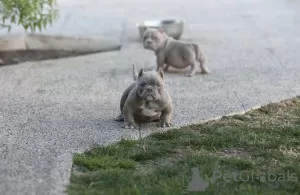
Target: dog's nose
x=148, y=42
x=149, y=89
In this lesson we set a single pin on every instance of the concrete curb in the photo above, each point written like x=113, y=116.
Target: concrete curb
x=239, y=112
x=32, y=47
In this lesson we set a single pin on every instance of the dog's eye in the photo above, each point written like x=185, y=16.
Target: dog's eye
x=142, y=84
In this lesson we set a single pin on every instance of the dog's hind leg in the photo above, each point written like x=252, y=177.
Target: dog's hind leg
x=203, y=65
x=193, y=68
x=120, y=118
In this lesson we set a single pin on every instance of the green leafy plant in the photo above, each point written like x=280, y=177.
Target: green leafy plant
x=31, y=14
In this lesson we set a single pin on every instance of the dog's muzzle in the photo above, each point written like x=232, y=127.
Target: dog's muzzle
x=148, y=44
x=150, y=93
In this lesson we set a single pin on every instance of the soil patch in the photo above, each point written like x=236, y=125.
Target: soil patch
x=16, y=49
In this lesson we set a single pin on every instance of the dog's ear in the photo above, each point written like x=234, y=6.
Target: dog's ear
x=141, y=73
x=161, y=72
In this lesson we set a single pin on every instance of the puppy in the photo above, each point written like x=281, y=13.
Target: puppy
x=146, y=100
x=171, y=52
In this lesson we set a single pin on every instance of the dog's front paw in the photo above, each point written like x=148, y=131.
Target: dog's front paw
x=165, y=124
x=129, y=125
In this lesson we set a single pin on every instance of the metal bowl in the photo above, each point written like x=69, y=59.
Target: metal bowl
x=173, y=28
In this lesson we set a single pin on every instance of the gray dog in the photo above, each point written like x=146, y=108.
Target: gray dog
x=171, y=52
x=146, y=100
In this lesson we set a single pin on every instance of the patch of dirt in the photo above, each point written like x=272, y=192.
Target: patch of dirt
x=79, y=170
x=19, y=56
x=180, y=153
x=291, y=152
x=16, y=49
x=234, y=152
x=150, y=166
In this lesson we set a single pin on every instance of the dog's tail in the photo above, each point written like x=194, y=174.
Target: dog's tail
x=134, y=71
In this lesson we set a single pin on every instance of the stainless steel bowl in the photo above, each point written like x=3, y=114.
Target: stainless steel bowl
x=173, y=28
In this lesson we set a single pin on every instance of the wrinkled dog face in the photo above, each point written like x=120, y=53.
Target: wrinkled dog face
x=153, y=38
x=150, y=85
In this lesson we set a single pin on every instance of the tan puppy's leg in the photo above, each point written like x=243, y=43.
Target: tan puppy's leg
x=202, y=59
x=120, y=118
x=160, y=60
x=193, y=69
x=192, y=62
x=128, y=118
x=166, y=67
x=203, y=65
x=165, y=117
x=122, y=102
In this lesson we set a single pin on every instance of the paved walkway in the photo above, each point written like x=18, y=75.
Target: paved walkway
x=50, y=109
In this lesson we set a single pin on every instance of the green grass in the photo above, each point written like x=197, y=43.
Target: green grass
x=230, y=153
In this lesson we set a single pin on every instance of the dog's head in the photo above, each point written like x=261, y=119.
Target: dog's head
x=150, y=84
x=153, y=38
